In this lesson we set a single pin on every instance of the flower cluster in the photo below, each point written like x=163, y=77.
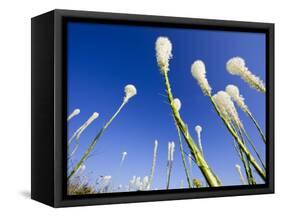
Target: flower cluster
x=73, y=114
x=130, y=91
x=237, y=66
x=163, y=48
x=233, y=92
x=198, y=71
x=177, y=104
x=226, y=107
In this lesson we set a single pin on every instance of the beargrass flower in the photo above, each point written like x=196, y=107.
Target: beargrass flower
x=153, y=164
x=177, y=104
x=171, y=149
x=198, y=130
x=226, y=107
x=237, y=66
x=93, y=117
x=130, y=91
x=124, y=154
x=163, y=48
x=79, y=131
x=73, y=114
x=198, y=71
x=233, y=91
x=238, y=168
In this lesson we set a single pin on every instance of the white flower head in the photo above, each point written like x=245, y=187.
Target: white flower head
x=82, y=168
x=124, y=154
x=177, y=104
x=106, y=178
x=237, y=66
x=130, y=91
x=171, y=149
x=198, y=129
x=163, y=48
x=73, y=114
x=226, y=107
x=234, y=93
x=237, y=166
x=94, y=116
x=198, y=71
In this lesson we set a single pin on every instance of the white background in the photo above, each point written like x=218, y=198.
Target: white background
x=15, y=106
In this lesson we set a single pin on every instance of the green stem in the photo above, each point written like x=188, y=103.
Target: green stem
x=200, y=161
x=183, y=159
x=239, y=142
x=257, y=126
x=86, y=154
x=254, y=148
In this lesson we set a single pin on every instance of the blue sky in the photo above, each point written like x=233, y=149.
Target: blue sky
x=103, y=58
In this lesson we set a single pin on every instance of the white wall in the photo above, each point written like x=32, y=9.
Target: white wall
x=15, y=105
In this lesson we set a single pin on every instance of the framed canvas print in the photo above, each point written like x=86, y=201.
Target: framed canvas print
x=132, y=108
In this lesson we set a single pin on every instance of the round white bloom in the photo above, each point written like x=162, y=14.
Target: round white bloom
x=198, y=129
x=234, y=93
x=163, y=48
x=130, y=91
x=82, y=167
x=73, y=114
x=198, y=71
x=107, y=178
x=171, y=149
x=94, y=116
x=124, y=153
x=237, y=166
x=237, y=66
x=177, y=104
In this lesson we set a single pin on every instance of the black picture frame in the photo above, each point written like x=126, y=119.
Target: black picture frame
x=48, y=69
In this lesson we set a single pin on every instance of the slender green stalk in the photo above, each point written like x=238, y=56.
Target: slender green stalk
x=202, y=164
x=86, y=154
x=153, y=165
x=254, y=148
x=247, y=165
x=257, y=126
x=239, y=142
x=183, y=160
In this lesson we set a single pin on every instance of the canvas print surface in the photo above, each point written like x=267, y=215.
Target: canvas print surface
x=159, y=108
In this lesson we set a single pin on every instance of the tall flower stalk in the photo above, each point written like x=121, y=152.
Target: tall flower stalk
x=234, y=92
x=171, y=149
x=124, y=154
x=237, y=66
x=130, y=91
x=198, y=130
x=73, y=114
x=225, y=109
x=238, y=168
x=163, y=55
x=177, y=104
x=79, y=131
x=153, y=164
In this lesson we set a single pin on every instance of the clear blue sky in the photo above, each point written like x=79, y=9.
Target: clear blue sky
x=103, y=58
